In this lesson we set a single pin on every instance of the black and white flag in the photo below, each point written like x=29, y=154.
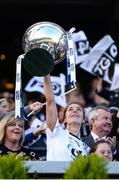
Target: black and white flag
x=115, y=78
x=101, y=56
x=81, y=46
x=58, y=85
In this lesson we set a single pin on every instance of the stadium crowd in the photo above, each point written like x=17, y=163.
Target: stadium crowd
x=53, y=133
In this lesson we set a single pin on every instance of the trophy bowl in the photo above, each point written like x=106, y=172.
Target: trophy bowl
x=44, y=44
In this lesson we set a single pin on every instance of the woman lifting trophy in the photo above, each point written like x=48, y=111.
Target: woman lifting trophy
x=45, y=44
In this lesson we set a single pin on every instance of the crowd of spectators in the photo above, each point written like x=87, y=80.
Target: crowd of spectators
x=54, y=133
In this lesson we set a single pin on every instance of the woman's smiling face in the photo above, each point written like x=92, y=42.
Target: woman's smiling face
x=14, y=130
x=74, y=114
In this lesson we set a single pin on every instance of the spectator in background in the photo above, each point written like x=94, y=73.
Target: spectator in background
x=115, y=121
x=7, y=91
x=102, y=149
x=35, y=135
x=31, y=97
x=4, y=107
x=100, y=120
x=94, y=95
x=12, y=137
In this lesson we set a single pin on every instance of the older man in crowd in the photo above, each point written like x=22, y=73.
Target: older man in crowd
x=100, y=121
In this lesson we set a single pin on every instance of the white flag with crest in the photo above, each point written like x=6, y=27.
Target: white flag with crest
x=58, y=85
x=101, y=56
x=81, y=46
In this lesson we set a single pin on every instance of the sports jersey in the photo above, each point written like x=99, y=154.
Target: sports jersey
x=64, y=146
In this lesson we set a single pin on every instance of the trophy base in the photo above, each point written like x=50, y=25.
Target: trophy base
x=38, y=62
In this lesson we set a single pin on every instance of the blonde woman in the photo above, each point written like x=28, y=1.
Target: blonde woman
x=12, y=137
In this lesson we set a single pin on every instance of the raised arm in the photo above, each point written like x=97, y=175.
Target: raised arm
x=51, y=109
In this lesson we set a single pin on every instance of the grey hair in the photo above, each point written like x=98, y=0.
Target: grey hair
x=92, y=114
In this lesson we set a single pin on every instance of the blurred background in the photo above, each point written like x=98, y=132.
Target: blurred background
x=95, y=17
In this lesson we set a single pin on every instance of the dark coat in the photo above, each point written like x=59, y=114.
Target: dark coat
x=89, y=140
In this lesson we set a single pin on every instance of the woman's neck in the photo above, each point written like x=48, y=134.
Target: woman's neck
x=12, y=145
x=74, y=129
